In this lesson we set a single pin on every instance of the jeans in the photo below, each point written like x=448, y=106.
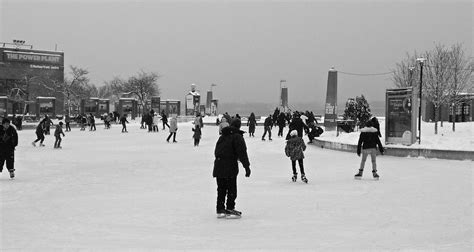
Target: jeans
x=300, y=163
x=269, y=130
x=373, y=153
x=226, y=187
x=9, y=157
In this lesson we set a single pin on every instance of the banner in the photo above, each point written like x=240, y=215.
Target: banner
x=400, y=121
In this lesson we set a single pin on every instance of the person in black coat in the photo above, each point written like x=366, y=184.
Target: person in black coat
x=39, y=133
x=267, y=124
x=281, y=121
x=367, y=145
x=230, y=148
x=298, y=125
x=164, y=119
x=8, y=142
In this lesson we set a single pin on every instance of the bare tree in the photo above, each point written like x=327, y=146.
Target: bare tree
x=143, y=86
x=405, y=72
x=461, y=69
x=74, y=87
x=436, y=86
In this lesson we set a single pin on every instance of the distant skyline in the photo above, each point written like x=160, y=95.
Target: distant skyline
x=245, y=48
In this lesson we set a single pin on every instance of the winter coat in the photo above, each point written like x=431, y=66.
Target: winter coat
x=8, y=139
x=281, y=121
x=294, y=148
x=223, y=124
x=173, y=125
x=164, y=118
x=251, y=123
x=197, y=133
x=230, y=148
x=268, y=122
x=58, y=131
x=369, y=139
x=123, y=120
x=40, y=128
x=298, y=125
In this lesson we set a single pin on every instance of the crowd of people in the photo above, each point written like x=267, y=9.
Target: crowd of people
x=230, y=147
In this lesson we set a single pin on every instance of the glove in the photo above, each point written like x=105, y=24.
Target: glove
x=382, y=150
x=358, y=153
x=247, y=172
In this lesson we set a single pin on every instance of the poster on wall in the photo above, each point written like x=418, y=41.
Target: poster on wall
x=400, y=123
x=46, y=108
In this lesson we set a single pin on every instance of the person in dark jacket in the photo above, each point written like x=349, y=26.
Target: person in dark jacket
x=47, y=125
x=267, y=124
x=149, y=120
x=281, y=122
x=251, y=123
x=39, y=133
x=92, y=122
x=164, y=119
x=294, y=150
x=197, y=135
x=123, y=121
x=8, y=142
x=368, y=142
x=276, y=113
x=68, y=123
x=230, y=148
x=298, y=125
x=57, y=134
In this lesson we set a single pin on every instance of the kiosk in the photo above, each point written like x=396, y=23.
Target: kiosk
x=46, y=106
x=128, y=106
x=400, y=121
x=171, y=107
x=89, y=106
x=104, y=107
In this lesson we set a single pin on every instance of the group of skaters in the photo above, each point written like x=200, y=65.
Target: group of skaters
x=43, y=128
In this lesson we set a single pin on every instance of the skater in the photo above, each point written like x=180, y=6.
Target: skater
x=223, y=124
x=92, y=122
x=368, y=142
x=173, y=128
x=68, y=121
x=197, y=135
x=57, y=135
x=230, y=148
x=39, y=133
x=83, y=122
x=281, y=122
x=123, y=121
x=164, y=119
x=267, y=124
x=251, y=123
x=294, y=150
x=155, y=124
x=8, y=142
x=298, y=125
x=47, y=125
x=149, y=121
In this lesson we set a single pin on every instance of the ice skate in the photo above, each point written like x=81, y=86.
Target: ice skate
x=295, y=176
x=233, y=214
x=304, y=179
x=221, y=213
x=359, y=175
x=12, y=174
x=376, y=176
x=42, y=145
x=33, y=143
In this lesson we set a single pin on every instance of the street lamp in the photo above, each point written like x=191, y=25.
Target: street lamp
x=411, y=69
x=421, y=61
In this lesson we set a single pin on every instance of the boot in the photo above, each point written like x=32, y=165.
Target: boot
x=295, y=176
x=304, y=179
x=359, y=175
x=376, y=176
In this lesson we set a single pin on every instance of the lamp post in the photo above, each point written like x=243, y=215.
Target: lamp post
x=410, y=70
x=421, y=61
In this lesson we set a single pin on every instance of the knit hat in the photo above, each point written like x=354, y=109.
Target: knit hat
x=293, y=133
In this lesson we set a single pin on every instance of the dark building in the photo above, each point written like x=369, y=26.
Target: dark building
x=463, y=111
x=26, y=73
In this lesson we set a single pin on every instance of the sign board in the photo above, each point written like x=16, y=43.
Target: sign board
x=400, y=118
x=330, y=114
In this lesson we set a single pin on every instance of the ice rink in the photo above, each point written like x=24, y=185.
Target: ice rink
x=111, y=191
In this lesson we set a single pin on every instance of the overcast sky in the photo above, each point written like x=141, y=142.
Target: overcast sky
x=245, y=48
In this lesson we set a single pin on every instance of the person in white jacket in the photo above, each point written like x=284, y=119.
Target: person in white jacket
x=173, y=129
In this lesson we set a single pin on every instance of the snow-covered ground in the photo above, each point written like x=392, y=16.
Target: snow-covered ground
x=119, y=192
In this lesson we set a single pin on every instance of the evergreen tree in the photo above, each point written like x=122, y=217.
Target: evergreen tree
x=363, y=111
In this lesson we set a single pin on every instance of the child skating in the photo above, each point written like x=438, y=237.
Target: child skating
x=197, y=135
x=123, y=121
x=294, y=149
x=57, y=135
x=368, y=142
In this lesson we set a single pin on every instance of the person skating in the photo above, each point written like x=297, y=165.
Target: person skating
x=173, y=128
x=92, y=122
x=223, y=124
x=39, y=133
x=164, y=119
x=47, y=125
x=197, y=135
x=252, y=123
x=155, y=124
x=267, y=124
x=57, y=135
x=298, y=125
x=8, y=142
x=368, y=142
x=230, y=148
x=123, y=121
x=281, y=122
x=294, y=150
x=68, y=122
x=83, y=122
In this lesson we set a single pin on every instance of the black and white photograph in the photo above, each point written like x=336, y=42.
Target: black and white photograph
x=227, y=125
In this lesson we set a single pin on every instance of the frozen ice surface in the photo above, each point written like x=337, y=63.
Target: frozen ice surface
x=111, y=191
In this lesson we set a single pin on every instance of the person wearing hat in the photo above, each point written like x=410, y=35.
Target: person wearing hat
x=294, y=150
x=8, y=142
x=230, y=148
x=267, y=125
x=57, y=135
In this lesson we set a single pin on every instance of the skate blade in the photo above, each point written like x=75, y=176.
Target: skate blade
x=376, y=178
x=357, y=178
x=221, y=216
x=233, y=216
